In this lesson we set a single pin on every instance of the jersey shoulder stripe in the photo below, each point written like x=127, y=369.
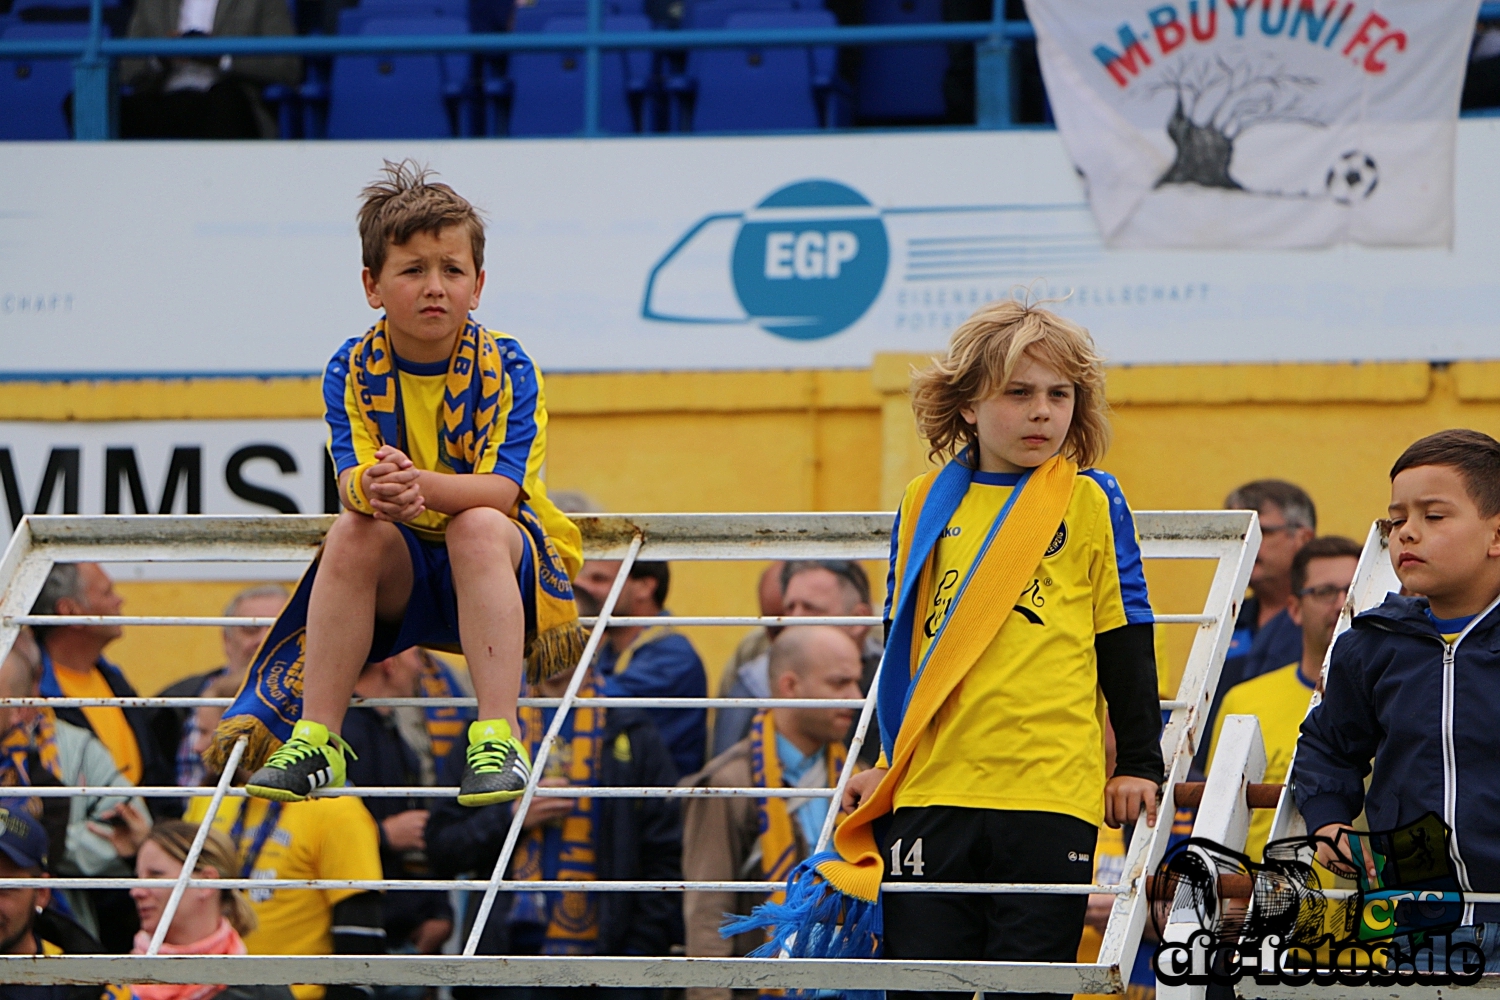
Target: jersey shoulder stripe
x=335, y=387
x=512, y=458
x=1128, y=564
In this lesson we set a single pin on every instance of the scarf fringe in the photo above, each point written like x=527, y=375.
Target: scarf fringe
x=555, y=651
x=815, y=921
x=262, y=743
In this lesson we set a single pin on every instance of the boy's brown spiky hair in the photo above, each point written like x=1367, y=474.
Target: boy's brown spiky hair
x=1474, y=455
x=982, y=355
x=404, y=202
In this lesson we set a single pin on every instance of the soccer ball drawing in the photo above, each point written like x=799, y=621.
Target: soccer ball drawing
x=1352, y=178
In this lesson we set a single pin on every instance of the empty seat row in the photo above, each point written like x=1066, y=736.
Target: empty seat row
x=535, y=93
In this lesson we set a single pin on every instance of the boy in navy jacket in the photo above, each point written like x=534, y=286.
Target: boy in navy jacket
x=1413, y=689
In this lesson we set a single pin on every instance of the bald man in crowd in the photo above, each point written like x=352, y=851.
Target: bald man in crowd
x=725, y=839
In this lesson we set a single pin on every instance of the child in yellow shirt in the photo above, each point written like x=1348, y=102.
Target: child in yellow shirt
x=1020, y=611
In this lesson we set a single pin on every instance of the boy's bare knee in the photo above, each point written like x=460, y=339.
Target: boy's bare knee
x=359, y=538
x=482, y=530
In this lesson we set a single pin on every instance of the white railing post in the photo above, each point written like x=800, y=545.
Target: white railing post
x=1223, y=817
x=518, y=813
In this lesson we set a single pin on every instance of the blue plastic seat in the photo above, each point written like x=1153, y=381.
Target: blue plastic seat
x=32, y=91
x=902, y=82
x=352, y=20
x=417, y=96
x=716, y=13
x=547, y=88
x=79, y=6
x=770, y=88
x=533, y=17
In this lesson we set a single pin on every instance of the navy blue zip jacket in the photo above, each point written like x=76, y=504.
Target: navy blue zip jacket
x=1426, y=713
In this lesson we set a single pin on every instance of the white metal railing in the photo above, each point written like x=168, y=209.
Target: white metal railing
x=1228, y=538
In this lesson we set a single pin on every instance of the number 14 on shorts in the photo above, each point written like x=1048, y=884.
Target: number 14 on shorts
x=912, y=860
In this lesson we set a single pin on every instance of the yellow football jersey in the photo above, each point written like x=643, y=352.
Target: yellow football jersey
x=1279, y=700
x=1025, y=728
x=517, y=446
x=321, y=838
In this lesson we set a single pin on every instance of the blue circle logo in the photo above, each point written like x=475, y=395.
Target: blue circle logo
x=810, y=260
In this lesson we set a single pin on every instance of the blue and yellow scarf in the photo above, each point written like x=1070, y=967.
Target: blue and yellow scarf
x=471, y=398
x=37, y=733
x=445, y=725
x=565, y=849
x=778, y=838
x=833, y=898
x=270, y=702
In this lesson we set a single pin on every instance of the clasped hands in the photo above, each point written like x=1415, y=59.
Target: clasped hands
x=393, y=485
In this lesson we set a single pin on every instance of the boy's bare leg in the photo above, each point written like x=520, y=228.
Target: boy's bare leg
x=484, y=549
x=365, y=573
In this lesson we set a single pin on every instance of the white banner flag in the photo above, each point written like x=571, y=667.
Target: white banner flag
x=1260, y=124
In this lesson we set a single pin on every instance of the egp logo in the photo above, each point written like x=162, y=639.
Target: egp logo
x=805, y=263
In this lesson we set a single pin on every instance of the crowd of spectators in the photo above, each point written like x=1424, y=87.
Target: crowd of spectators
x=1297, y=588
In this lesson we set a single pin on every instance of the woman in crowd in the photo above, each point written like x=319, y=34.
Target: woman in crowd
x=209, y=921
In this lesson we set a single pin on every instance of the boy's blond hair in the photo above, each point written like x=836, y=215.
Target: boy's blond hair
x=402, y=203
x=983, y=354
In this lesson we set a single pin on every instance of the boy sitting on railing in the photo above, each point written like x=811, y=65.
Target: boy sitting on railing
x=438, y=432
x=1019, y=603
x=1412, y=696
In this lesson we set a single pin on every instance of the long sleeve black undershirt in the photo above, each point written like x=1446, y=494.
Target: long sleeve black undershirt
x=1127, y=676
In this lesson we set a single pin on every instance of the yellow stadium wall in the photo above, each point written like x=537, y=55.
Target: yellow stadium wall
x=844, y=440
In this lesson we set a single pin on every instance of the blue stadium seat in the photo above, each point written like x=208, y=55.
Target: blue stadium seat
x=716, y=13
x=19, y=8
x=533, y=17
x=352, y=20
x=771, y=88
x=400, y=96
x=32, y=90
x=547, y=88
x=902, y=82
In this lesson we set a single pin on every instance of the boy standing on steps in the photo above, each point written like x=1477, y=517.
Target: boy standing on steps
x=438, y=433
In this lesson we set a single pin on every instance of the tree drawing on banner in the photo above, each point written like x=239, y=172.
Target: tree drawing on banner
x=1216, y=102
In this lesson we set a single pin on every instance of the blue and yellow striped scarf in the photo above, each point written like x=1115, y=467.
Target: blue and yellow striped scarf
x=471, y=396
x=778, y=838
x=37, y=733
x=565, y=849
x=445, y=725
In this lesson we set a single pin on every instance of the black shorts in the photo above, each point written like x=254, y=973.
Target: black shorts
x=955, y=844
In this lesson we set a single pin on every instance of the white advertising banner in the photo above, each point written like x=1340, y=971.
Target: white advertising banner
x=165, y=467
x=168, y=467
x=689, y=253
x=1260, y=124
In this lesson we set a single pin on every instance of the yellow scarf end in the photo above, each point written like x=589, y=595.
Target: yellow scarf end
x=856, y=879
x=261, y=743
x=554, y=651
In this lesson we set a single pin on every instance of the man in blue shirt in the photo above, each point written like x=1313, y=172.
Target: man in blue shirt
x=655, y=662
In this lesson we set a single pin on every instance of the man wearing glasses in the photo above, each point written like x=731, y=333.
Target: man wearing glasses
x=810, y=588
x=1321, y=574
x=1265, y=636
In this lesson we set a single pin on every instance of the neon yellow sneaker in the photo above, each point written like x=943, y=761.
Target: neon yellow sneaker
x=313, y=758
x=497, y=765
